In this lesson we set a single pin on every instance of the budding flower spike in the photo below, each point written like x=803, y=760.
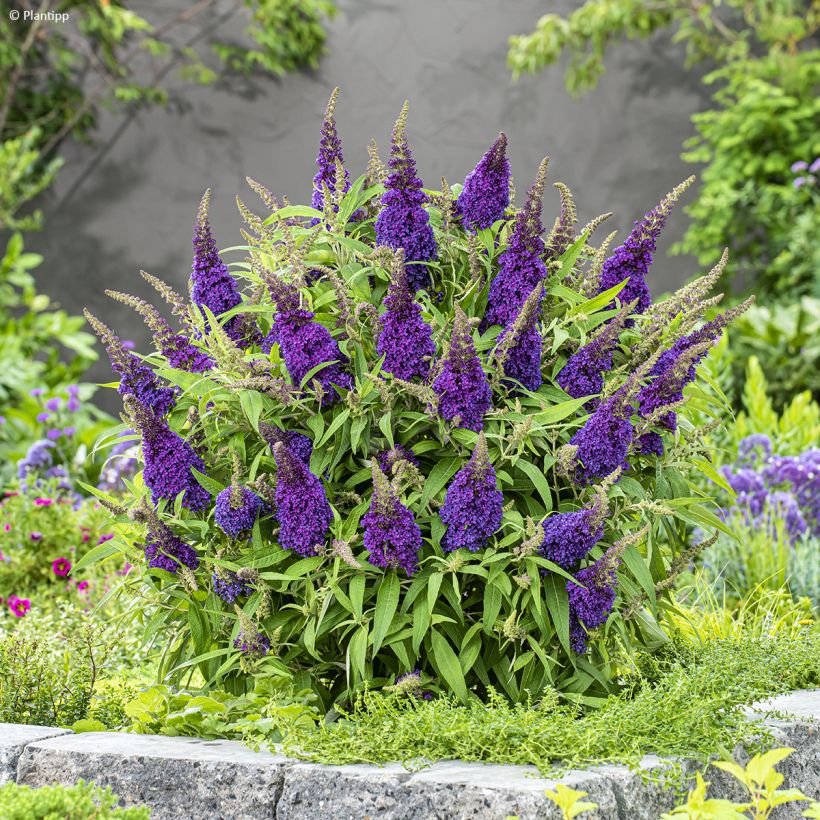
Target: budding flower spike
x=330, y=158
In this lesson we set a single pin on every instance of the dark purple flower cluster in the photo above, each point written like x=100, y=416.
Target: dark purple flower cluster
x=183, y=355
x=236, y=509
x=252, y=644
x=592, y=601
x=569, y=536
x=164, y=550
x=520, y=268
x=402, y=221
x=391, y=535
x=522, y=362
x=168, y=460
x=212, y=286
x=302, y=508
x=462, y=387
x=603, y=442
x=230, y=587
x=486, y=192
x=329, y=158
x=298, y=443
x=405, y=340
x=473, y=507
x=388, y=459
x=306, y=344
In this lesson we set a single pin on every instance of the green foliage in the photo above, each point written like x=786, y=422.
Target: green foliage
x=760, y=779
x=266, y=713
x=83, y=801
x=570, y=801
x=681, y=704
x=498, y=618
x=761, y=122
x=289, y=35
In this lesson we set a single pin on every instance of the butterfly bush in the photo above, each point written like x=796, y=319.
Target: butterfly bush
x=415, y=434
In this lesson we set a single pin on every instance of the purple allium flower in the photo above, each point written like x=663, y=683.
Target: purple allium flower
x=388, y=459
x=472, y=508
x=212, y=286
x=402, y=221
x=799, y=166
x=298, y=443
x=164, y=550
x=799, y=182
x=229, y=586
x=254, y=645
x=235, y=510
x=53, y=404
x=391, y=535
x=604, y=440
x=522, y=358
x=43, y=417
x=520, y=267
x=37, y=457
x=329, y=158
x=136, y=378
x=486, y=192
x=38, y=391
x=463, y=390
x=302, y=508
x=304, y=343
x=53, y=435
x=563, y=231
x=815, y=166
x=591, y=603
x=168, y=460
x=632, y=259
x=405, y=340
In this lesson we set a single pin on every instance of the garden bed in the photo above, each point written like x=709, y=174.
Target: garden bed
x=179, y=776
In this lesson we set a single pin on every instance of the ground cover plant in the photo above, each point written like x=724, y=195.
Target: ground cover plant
x=422, y=439
x=83, y=801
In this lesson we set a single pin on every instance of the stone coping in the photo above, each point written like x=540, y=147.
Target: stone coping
x=182, y=777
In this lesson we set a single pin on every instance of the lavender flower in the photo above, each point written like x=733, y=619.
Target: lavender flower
x=391, y=535
x=591, y=599
x=212, y=286
x=229, y=586
x=302, y=508
x=405, y=340
x=298, y=443
x=330, y=158
x=472, y=508
x=520, y=267
x=603, y=442
x=521, y=345
x=632, y=259
x=486, y=192
x=168, y=460
x=463, y=390
x=136, y=378
x=569, y=536
x=164, y=550
x=235, y=510
x=402, y=221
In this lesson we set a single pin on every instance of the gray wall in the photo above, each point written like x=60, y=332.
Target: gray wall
x=129, y=203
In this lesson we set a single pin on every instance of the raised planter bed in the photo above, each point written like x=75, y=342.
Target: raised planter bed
x=186, y=777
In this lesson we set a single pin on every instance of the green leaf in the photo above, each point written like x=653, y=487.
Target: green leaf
x=446, y=661
x=439, y=476
x=252, y=406
x=539, y=481
x=387, y=600
x=208, y=483
x=558, y=605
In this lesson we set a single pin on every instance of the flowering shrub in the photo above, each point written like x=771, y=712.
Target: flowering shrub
x=362, y=461
x=43, y=533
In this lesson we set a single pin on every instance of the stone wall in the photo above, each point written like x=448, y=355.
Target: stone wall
x=190, y=778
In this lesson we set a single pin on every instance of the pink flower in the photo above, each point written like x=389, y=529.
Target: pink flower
x=19, y=606
x=7, y=527
x=106, y=537
x=61, y=567
x=43, y=502
x=82, y=586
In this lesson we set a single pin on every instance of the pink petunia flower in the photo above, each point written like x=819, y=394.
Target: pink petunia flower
x=43, y=502
x=19, y=606
x=82, y=586
x=61, y=567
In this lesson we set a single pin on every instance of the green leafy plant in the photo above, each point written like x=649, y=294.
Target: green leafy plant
x=760, y=124
x=570, y=801
x=83, y=801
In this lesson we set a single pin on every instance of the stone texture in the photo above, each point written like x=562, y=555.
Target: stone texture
x=13, y=739
x=177, y=777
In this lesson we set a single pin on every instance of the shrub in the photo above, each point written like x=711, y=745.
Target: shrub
x=465, y=466
x=84, y=801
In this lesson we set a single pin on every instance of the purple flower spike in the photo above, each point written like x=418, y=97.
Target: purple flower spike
x=136, y=378
x=164, y=550
x=405, y=340
x=212, y=286
x=329, y=158
x=388, y=459
x=168, y=459
x=486, y=192
x=463, y=390
x=235, y=510
x=402, y=221
x=298, y=443
x=569, y=536
x=522, y=357
x=563, y=231
x=302, y=508
x=391, y=535
x=591, y=603
x=230, y=587
x=632, y=259
x=520, y=267
x=473, y=506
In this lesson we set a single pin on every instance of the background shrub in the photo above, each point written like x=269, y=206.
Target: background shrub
x=83, y=801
